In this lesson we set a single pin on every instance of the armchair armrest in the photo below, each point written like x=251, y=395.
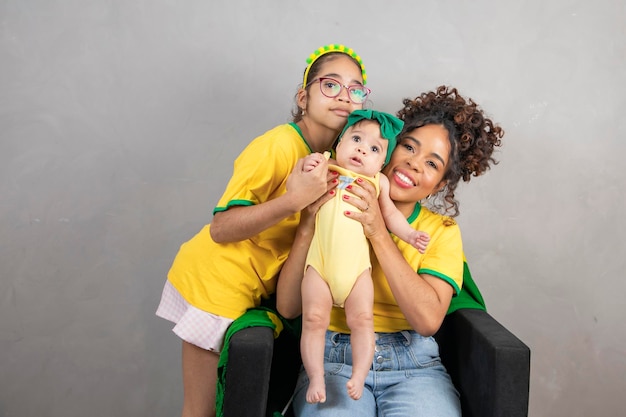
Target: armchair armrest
x=248, y=374
x=488, y=364
x=262, y=372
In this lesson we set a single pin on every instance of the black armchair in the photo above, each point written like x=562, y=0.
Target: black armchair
x=488, y=364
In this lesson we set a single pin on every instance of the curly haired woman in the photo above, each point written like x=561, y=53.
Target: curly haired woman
x=446, y=138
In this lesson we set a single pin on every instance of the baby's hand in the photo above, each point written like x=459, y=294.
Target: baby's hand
x=311, y=161
x=419, y=240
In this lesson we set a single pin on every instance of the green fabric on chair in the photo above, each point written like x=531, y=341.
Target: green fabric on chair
x=260, y=316
x=470, y=296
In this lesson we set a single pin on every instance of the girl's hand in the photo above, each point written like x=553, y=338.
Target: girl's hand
x=309, y=212
x=307, y=215
x=307, y=182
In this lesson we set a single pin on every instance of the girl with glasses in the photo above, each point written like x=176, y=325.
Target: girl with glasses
x=231, y=264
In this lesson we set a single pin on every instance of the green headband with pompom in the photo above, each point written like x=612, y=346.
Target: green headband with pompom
x=328, y=49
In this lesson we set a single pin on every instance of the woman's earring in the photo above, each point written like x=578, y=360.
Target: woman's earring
x=436, y=201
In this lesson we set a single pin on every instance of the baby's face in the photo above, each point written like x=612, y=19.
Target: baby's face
x=362, y=149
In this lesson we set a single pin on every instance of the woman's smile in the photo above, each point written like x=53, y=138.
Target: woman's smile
x=402, y=179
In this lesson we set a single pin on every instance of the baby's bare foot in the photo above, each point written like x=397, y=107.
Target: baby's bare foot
x=355, y=389
x=316, y=393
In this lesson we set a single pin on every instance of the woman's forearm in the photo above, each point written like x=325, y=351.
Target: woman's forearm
x=423, y=299
x=288, y=295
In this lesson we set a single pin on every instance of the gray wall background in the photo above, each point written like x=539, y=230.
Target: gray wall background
x=119, y=122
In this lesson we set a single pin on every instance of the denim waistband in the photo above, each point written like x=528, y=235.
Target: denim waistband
x=404, y=337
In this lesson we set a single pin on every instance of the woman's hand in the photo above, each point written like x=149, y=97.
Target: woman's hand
x=363, y=197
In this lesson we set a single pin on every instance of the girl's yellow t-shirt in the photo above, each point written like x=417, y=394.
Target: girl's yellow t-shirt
x=227, y=279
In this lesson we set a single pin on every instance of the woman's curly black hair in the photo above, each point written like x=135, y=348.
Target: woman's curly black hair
x=472, y=135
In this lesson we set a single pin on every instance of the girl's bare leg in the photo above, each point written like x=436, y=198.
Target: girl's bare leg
x=359, y=315
x=316, y=305
x=199, y=381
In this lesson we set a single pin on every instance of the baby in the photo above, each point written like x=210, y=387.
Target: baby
x=338, y=268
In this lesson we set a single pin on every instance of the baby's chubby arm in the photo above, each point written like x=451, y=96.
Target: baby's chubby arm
x=396, y=222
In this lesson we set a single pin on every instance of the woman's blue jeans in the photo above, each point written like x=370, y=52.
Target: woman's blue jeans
x=407, y=379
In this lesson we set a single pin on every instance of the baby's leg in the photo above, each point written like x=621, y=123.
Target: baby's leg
x=359, y=315
x=317, y=302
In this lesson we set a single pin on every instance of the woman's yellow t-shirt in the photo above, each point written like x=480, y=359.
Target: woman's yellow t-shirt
x=443, y=258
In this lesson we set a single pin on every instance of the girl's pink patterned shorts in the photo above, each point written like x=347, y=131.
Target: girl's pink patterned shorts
x=193, y=325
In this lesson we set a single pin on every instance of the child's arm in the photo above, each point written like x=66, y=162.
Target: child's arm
x=396, y=222
x=243, y=222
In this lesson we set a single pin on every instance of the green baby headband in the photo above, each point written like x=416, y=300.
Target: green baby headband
x=332, y=48
x=390, y=126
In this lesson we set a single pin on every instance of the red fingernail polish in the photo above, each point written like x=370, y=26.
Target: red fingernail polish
x=335, y=181
x=349, y=187
x=359, y=180
x=345, y=197
x=332, y=192
x=348, y=213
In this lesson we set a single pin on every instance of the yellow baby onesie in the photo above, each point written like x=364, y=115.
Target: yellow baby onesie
x=339, y=251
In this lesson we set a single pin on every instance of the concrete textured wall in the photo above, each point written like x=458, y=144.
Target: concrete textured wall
x=119, y=122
